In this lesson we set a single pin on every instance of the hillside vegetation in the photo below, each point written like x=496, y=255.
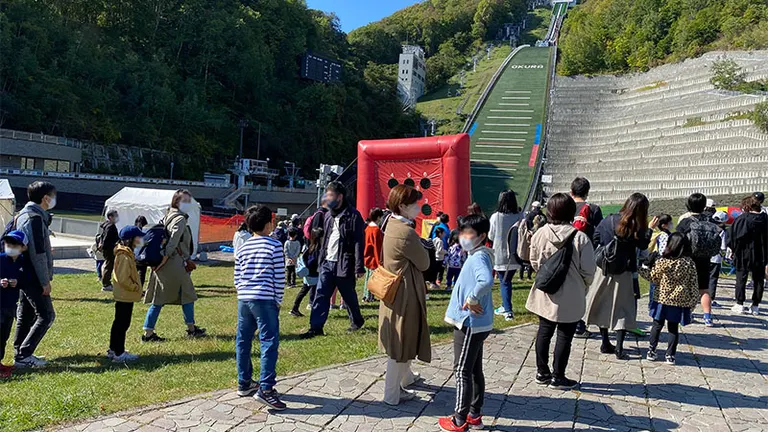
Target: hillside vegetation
x=618, y=35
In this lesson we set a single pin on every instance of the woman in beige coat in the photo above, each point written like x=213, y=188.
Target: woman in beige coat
x=403, y=328
x=563, y=309
x=171, y=281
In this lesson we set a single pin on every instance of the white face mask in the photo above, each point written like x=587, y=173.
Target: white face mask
x=52, y=203
x=117, y=219
x=12, y=252
x=468, y=244
x=185, y=207
x=412, y=211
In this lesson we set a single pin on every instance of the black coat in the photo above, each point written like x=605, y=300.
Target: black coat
x=351, y=243
x=629, y=246
x=748, y=240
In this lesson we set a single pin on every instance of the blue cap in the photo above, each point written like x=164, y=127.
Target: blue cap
x=129, y=232
x=16, y=236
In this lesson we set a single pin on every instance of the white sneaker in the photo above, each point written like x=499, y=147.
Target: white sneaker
x=124, y=358
x=426, y=297
x=737, y=308
x=31, y=362
x=755, y=310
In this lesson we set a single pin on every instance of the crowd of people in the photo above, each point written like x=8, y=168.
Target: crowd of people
x=586, y=269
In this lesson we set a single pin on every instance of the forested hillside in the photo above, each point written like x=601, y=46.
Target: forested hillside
x=620, y=35
x=178, y=75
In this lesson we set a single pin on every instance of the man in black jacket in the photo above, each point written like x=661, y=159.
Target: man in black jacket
x=106, y=243
x=341, y=260
x=749, y=243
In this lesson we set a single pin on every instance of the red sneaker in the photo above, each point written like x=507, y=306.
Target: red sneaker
x=446, y=424
x=475, y=423
x=5, y=371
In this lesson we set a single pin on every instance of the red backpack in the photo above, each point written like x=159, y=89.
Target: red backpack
x=581, y=221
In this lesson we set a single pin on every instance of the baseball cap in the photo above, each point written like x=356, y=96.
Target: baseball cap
x=129, y=231
x=536, y=204
x=16, y=236
x=294, y=216
x=710, y=202
x=720, y=216
x=760, y=196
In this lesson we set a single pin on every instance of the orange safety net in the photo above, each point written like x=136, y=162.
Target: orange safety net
x=218, y=229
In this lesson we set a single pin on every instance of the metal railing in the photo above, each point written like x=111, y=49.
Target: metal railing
x=492, y=83
x=104, y=177
x=40, y=137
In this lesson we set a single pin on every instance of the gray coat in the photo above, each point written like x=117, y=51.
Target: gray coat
x=171, y=284
x=33, y=221
x=500, y=225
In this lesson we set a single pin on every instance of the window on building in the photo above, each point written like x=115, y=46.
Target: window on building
x=56, y=165
x=63, y=166
x=27, y=163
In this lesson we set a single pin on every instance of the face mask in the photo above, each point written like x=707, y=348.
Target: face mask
x=117, y=219
x=185, y=207
x=12, y=252
x=468, y=244
x=412, y=211
x=52, y=203
x=333, y=204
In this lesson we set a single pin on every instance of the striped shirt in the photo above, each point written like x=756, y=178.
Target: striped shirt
x=260, y=270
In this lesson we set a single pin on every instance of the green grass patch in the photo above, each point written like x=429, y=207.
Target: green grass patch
x=655, y=85
x=81, y=383
x=738, y=115
x=694, y=121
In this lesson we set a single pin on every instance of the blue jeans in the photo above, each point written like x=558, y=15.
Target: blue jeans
x=99, y=263
x=505, y=282
x=261, y=315
x=154, y=312
x=326, y=284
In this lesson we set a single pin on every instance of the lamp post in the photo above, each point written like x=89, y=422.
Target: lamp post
x=243, y=125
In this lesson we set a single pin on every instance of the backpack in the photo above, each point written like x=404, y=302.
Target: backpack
x=10, y=226
x=513, y=242
x=151, y=254
x=581, y=221
x=99, y=239
x=552, y=273
x=523, y=248
x=705, y=239
x=308, y=226
x=610, y=258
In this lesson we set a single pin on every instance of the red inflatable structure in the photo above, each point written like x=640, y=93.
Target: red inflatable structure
x=437, y=166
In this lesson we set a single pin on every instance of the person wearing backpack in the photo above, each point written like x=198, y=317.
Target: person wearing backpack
x=106, y=240
x=749, y=243
x=141, y=223
x=704, y=235
x=563, y=309
x=611, y=298
x=170, y=282
x=586, y=218
x=506, y=218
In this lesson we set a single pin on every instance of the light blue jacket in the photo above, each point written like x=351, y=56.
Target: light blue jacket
x=475, y=282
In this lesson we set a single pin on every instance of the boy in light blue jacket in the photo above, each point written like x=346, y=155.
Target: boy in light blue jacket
x=470, y=311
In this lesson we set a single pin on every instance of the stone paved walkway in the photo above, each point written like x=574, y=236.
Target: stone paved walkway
x=718, y=384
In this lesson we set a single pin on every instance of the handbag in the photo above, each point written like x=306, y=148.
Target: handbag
x=383, y=284
x=302, y=270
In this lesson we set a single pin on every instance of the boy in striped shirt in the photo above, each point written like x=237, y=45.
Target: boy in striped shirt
x=260, y=283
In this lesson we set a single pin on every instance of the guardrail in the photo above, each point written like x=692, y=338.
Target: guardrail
x=481, y=101
x=40, y=137
x=543, y=150
x=104, y=177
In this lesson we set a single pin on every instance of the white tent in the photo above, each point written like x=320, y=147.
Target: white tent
x=7, y=202
x=153, y=204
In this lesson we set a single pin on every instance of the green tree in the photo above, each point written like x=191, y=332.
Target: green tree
x=727, y=74
x=760, y=116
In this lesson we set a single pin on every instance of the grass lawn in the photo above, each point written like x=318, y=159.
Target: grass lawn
x=78, y=215
x=80, y=382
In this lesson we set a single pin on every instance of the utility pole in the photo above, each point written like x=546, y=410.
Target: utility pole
x=171, y=170
x=243, y=125
x=258, y=145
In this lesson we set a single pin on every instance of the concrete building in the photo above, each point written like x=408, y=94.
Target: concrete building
x=412, y=75
x=39, y=152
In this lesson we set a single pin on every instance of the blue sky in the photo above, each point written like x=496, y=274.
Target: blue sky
x=357, y=13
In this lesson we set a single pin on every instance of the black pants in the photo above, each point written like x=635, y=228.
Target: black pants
x=526, y=269
x=565, y=332
x=106, y=270
x=672, y=328
x=7, y=315
x=702, y=273
x=620, y=334
x=305, y=289
x=468, y=368
x=758, y=278
x=142, y=273
x=290, y=275
x=120, y=326
x=714, y=277
x=440, y=271
x=452, y=276
x=34, y=316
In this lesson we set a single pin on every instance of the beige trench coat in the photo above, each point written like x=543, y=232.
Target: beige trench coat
x=403, y=328
x=171, y=284
x=568, y=304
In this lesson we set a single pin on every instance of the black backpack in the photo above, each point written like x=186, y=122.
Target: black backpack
x=610, y=258
x=10, y=226
x=705, y=239
x=552, y=273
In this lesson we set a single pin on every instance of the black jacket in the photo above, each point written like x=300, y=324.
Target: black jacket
x=110, y=238
x=748, y=240
x=629, y=246
x=351, y=243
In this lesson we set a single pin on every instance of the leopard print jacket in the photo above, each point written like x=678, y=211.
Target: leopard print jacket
x=676, y=283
